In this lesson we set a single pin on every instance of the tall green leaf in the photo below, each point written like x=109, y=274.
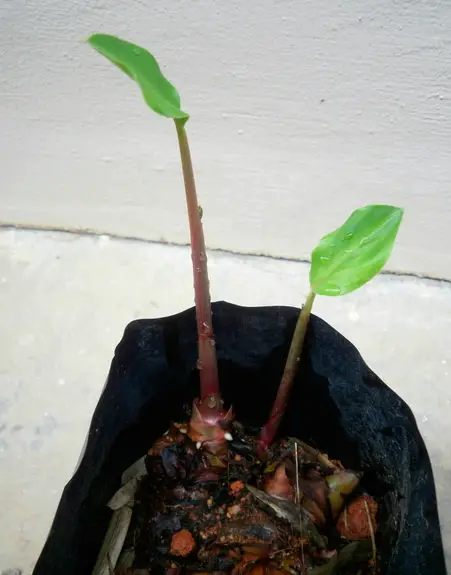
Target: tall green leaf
x=350, y=256
x=141, y=66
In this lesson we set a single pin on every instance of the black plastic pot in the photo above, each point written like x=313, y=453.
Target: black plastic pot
x=338, y=404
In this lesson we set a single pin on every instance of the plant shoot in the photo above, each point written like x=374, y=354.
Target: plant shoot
x=343, y=261
x=209, y=420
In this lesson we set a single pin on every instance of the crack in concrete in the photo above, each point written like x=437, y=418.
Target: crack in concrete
x=98, y=233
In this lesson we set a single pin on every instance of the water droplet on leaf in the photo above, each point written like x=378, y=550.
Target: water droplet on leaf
x=333, y=290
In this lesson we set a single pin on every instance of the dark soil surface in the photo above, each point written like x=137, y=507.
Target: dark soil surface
x=295, y=513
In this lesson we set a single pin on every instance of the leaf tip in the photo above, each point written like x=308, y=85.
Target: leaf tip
x=90, y=39
x=398, y=214
x=87, y=40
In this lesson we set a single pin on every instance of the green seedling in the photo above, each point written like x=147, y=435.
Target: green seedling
x=209, y=421
x=342, y=262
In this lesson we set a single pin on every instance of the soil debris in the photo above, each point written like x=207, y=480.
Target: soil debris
x=271, y=517
x=182, y=543
x=354, y=521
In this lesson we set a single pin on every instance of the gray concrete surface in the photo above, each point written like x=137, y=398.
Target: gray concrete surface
x=65, y=300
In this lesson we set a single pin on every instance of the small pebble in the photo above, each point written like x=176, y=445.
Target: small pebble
x=182, y=543
x=233, y=510
x=353, y=522
x=236, y=487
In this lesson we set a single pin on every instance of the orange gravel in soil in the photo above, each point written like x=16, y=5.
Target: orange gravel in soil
x=236, y=487
x=182, y=543
x=353, y=522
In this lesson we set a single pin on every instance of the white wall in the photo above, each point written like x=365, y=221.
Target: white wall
x=301, y=111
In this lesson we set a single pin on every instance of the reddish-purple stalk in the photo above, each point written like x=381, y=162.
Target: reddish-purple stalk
x=209, y=379
x=209, y=421
x=269, y=430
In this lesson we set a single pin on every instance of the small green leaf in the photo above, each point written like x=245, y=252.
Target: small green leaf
x=141, y=66
x=352, y=255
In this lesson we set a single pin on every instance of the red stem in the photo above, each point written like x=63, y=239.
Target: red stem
x=271, y=427
x=207, y=364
